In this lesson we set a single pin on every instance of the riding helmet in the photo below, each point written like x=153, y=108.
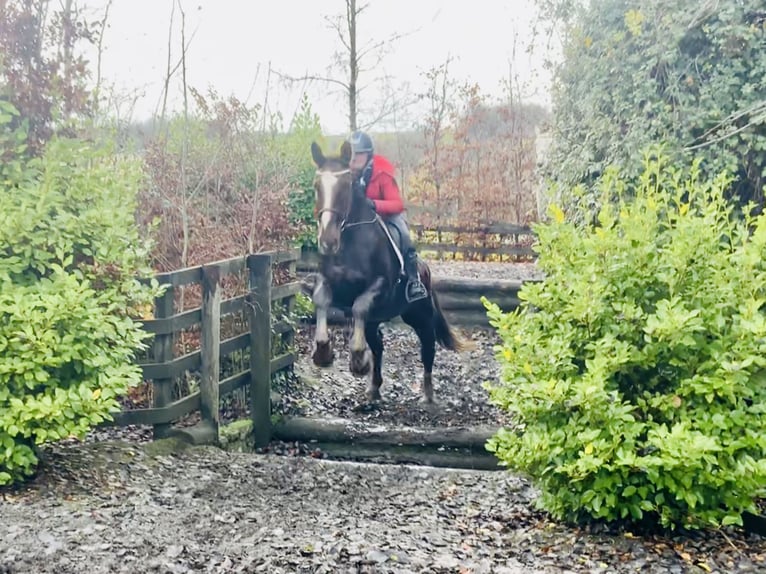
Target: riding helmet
x=361, y=142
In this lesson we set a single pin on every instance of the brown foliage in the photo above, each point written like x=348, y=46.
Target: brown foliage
x=478, y=164
x=219, y=192
x=40, y=71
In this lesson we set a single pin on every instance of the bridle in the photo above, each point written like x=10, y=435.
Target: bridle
x=344, y=216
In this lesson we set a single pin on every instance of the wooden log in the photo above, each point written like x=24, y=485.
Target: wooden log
x=394, y=454
x=467, y=285
x=306, y=429
x=162, y=388
x=259, y=316
x=211, y=347
x=472, y=301
x=468, y=318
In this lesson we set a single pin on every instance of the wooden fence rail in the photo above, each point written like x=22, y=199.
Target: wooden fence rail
x=501, y=240
x=256, y=305
x=459, y=299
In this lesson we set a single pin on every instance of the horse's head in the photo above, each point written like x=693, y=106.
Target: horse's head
x=333, y=188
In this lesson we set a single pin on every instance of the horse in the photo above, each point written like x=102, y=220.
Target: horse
x=361, y=273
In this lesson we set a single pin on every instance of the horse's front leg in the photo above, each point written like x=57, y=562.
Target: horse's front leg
x=360, y=356
x=323, y=355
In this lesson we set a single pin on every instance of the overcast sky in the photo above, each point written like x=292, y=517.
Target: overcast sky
x=235, y=41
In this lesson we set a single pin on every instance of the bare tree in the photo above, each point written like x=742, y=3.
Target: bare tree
x=356, y=60
x=439, y=97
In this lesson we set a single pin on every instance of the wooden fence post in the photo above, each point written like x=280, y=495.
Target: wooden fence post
x=289, y=337
x=259, y=314
x=162, y=389
x=211, y=348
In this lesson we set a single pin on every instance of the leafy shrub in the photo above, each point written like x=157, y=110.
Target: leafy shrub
x=300, y=203
x=69, y=258
x=636, y=371
x=687, y=73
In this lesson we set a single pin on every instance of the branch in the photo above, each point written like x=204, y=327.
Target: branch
x=168, y=74
x=312, y=77
x=364, y=51
x=755, y=108
x=750, y=124
x=336, y=25
x=100, y=46
x=171, y=71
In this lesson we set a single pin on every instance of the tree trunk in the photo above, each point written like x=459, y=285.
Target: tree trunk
x=352, y=62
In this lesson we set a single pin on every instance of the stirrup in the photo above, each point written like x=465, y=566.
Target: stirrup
x=415, y=291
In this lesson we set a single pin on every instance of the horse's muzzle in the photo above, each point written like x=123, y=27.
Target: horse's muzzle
x=328, y=240
x=326, y=248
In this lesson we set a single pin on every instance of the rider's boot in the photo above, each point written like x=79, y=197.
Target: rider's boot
x=415, y=290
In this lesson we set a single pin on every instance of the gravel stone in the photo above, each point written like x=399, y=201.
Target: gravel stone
x=118, y=507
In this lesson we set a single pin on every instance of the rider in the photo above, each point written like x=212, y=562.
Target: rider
x=374, y=174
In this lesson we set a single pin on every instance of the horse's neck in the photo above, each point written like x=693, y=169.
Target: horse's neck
x=360, y=211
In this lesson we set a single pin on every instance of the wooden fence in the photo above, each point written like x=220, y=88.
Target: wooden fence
x=499, y=241
x=256, y=305
x=460, y=300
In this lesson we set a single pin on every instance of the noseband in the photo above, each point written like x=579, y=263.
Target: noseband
x=344, y=216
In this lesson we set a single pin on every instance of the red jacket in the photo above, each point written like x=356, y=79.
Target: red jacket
x=383, y=189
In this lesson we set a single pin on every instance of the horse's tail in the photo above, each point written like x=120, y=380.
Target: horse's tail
x=445, y=334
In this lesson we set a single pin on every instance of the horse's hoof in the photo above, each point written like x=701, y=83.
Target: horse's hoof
x=323, y=355
x=360, y=363
x=373, y=395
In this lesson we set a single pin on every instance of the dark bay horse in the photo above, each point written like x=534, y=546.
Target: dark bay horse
x=360, y=272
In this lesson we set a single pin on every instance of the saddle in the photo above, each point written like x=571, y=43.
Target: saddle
x=390, y=229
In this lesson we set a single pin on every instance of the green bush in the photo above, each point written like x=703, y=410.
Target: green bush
x=636, y=371
x=69, y=257
x=632, y=73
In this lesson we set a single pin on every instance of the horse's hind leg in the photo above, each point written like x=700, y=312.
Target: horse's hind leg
x=375, y=341
x=422, y=322
x=323, y=355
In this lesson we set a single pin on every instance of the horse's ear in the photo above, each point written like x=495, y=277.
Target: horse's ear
x=345, y=152
x=317, y=155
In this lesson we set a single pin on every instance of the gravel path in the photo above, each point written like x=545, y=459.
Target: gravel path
x=458, y=378
x=119, y=506
x=485, y=270
x=115, y=507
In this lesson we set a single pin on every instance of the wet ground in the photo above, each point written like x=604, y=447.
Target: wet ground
x=112, y=506
x=117, y=507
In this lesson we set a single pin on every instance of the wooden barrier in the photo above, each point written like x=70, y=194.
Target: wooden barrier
x=503, y=241
x=459, y=299
x=165, y=367
x=359, y=440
